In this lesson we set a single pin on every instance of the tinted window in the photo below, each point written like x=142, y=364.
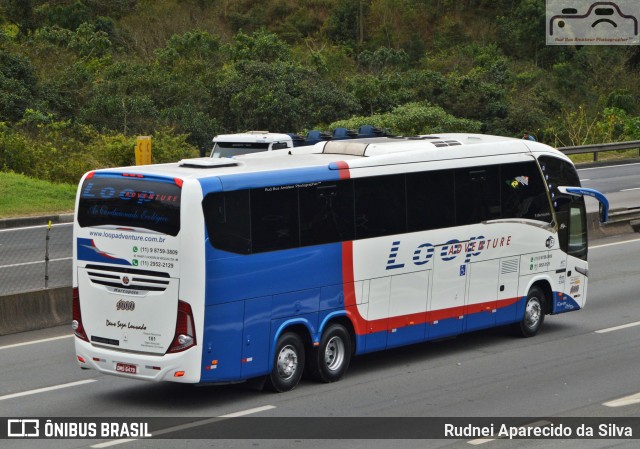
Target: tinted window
x=274, y=218
x=326, y=213
x=430, y=200
x=227, y=216
x=380, y=206
x=477, y=192
x=523, y=192
x=130, y=202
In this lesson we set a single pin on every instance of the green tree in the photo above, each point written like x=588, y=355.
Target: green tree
x=259, y=46
x=122, y=99
x=18, y=85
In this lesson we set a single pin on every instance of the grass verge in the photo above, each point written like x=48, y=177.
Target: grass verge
x=21, y=196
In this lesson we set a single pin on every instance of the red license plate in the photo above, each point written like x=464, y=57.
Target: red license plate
x=126, y=368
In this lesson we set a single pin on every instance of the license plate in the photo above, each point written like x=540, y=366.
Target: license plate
x=126, y=368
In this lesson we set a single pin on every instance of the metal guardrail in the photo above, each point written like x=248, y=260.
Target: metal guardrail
x=631, y=214
x=598, y=147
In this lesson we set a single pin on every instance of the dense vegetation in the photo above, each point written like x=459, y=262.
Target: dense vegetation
x=79, y=79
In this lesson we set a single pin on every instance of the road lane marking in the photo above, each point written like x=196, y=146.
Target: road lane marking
x=614, y=244
x=627, y=400
x=33, y=342
x=45, y=389
x=611, y=329
x=480, y=441
x=628, y=190
x=33, y=263
x=202, y=422
x=608, y=166
x=35, y=227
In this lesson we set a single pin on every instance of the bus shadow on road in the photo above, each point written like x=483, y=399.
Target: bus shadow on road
x=177, y=398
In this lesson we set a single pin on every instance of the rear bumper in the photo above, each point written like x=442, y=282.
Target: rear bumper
x=148, y=367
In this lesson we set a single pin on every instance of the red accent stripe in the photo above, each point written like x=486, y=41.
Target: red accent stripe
x=343, y=169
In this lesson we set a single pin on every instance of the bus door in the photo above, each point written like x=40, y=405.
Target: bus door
x=447, y=308
x=572, y=233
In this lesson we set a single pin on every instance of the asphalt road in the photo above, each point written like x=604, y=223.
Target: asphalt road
x=579, y=362
x=620, y=183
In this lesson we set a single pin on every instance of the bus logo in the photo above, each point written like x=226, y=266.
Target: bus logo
x=125, y=280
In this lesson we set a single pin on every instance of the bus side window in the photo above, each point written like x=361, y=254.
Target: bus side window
x=477, y=192
x=380, y=204
x=430, y=200
x=227, y=219
x=326, y=213
x=523, y=192
x=274, y=218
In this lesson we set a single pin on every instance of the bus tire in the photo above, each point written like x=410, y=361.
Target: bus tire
x=288, y=363
x=533, y=314
x=331, y=360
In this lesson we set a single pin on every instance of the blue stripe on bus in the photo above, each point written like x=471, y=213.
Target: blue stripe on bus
x=564, y=303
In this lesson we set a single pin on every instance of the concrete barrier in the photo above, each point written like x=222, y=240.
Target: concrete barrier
x=37, y=309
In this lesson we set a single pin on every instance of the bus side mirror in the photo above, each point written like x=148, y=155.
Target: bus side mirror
x=603, y=213
x=603, y=208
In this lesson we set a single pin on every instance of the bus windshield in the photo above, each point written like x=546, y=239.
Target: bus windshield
x=132, y=202
x=230, y=149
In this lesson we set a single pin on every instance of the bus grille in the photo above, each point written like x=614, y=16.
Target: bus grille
x=128, y=278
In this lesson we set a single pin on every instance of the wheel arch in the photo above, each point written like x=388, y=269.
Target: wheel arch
x=341, y=318
x=545, y=286
x=300, y=327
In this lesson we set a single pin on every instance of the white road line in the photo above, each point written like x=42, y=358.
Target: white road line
x=45, y=389
x=627, y=400
x=614, y=244
x=611, y=329
x=202, y=422
x=33, y=342
x=480, y=441
x=34, y=227
x=628, y=190
x=34, y=263
x=608, y=166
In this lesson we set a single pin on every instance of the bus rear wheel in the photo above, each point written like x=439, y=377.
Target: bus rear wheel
x=533, y=314
x=288, y=363
x=331, y=360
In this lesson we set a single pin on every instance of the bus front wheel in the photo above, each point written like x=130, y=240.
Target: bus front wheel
x=331, y=360
x=288, y=363
x=533, y=314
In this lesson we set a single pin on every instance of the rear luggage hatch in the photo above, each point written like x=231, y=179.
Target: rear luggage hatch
x=128, y=309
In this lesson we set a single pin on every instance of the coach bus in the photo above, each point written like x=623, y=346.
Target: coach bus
x=271, y=265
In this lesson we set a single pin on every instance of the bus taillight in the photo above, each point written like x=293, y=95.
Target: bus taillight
x=76, y=324
x=185, y=336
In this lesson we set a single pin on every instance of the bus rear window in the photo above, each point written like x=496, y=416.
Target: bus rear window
x=130, y=202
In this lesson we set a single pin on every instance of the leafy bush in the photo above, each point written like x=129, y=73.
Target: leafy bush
x=413, y=119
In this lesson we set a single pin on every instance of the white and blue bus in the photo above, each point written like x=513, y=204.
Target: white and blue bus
x=268, y=265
